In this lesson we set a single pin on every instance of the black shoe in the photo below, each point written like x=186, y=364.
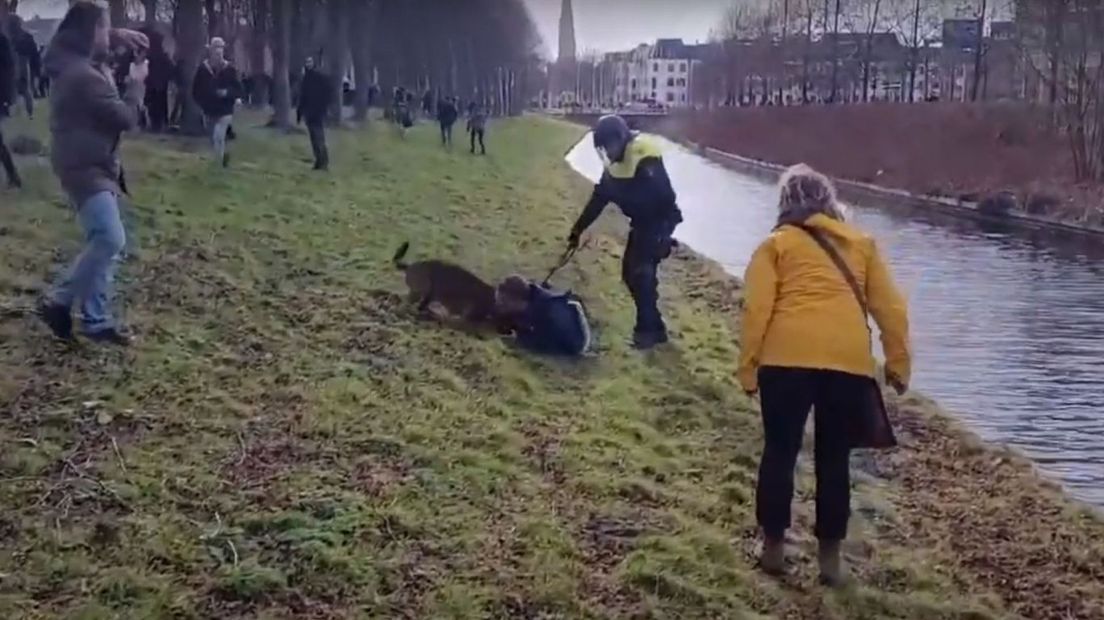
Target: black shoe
x=642, y=341
x=15, y=183
x=226, y=160
x=58, y=318
x=111, y=335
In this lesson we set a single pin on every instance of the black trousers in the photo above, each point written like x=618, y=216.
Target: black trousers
x=478, y=133
x=645, y=250
x=317, y=131
x=7, y=161
x=787, y=395
x=157, y=105
x=446, y=134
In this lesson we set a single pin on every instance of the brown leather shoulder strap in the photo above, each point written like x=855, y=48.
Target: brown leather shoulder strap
x=834, y=254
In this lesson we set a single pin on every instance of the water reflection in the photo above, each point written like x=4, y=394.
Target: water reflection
x=1008, y=326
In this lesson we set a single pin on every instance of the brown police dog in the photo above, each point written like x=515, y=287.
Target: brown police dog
x=462, y=293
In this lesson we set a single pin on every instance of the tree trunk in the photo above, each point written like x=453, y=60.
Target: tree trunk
x=190, y=42
x=979, y=53
x=835, y=52
x=257, y=48
x=150, y=9
x=915, y=54
x=117, y=9
x=281, y=44
x=869, y=55
x=360, y=23
x=782, y=52
x=338, y=53
x=808, y=53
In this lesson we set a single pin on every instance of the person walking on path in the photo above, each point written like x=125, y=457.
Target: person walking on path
x=161, y=73
x=635, y=180
x=217, y=89
x=806, y=345
x=314, y=101
x=28, y=62
x=446, y=116
x=7, y=98
x=87, y=119
x=477, y=126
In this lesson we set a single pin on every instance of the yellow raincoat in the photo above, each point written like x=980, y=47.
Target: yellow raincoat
x=799, y=311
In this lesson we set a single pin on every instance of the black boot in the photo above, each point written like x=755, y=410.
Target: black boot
x=643, y=341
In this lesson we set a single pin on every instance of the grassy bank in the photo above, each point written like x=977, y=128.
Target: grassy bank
x=286, y=440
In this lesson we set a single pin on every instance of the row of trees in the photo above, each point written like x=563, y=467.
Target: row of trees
x=1065, y=50
x=485, y=49
x=757, y=38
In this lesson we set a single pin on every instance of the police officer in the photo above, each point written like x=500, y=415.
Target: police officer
x=636, y=181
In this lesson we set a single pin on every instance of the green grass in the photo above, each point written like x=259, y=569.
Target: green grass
x=287, y=440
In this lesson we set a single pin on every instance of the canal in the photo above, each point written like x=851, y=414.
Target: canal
x=1007, y=325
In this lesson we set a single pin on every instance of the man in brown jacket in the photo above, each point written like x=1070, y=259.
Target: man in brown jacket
x=87, y=119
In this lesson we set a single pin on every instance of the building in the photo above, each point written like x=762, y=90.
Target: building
x=659, y=74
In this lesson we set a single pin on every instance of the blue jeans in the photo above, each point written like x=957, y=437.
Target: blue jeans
x=89, y=280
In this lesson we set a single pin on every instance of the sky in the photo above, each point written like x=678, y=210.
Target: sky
x=614, y=25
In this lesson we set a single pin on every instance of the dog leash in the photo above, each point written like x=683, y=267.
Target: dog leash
x=565, y=258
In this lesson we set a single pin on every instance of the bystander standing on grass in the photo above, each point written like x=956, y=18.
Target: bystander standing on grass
x=806, y=345
x=87, y=119
x=7, y=95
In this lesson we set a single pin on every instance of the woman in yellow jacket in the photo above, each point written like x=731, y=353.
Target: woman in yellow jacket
x=807, y=345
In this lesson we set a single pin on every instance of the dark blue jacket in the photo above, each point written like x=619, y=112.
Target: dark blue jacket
x=555, y=323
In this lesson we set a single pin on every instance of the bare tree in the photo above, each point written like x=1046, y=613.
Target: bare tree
x=281, y=46
x=258, y=46
x=190, y=38
x=979, y=51
x=360, y=22
x=337, y=53
x=835, y=51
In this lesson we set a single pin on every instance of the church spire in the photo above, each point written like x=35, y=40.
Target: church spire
x=567, y=33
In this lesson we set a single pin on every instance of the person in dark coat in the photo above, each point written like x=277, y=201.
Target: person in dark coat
x=87, y=120
x=157, y=84
x=315, y=93
x=216, y=89
x=477, y=126
x=447, y=115
x=28, y=62
x=7, y=97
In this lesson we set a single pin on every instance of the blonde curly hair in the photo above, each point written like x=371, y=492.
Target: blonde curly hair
x=805, y=193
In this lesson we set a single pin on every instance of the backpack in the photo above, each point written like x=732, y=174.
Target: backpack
x=564, y=327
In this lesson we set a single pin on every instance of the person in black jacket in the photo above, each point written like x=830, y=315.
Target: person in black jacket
x=636, y=180
x=216, y=89
x=28, y=62
x=160, y=77
x=447, y=115
x=7, y=97
x=315, y=92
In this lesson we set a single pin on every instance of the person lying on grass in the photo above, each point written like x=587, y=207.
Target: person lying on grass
x=542, y=320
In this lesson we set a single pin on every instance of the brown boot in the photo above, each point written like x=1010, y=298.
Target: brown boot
x=772, y=560
x=832, y=573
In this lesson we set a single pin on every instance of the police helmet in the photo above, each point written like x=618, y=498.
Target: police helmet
x=611, y=136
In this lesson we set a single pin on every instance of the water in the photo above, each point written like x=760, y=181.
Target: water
x=1007, y=326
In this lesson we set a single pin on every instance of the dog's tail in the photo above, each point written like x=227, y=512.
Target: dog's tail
x=399, y=255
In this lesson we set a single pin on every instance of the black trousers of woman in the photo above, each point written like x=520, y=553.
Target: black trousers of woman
x=787, y=395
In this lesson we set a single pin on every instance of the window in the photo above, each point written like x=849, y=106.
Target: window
x=670, y=67
x=670, y=82
x=634, y=83
x=655, y=67
x=653, y=95
x=670, y=97
x=684, y=97
x=682, y=81
x=653, y=84
x=682, y=67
